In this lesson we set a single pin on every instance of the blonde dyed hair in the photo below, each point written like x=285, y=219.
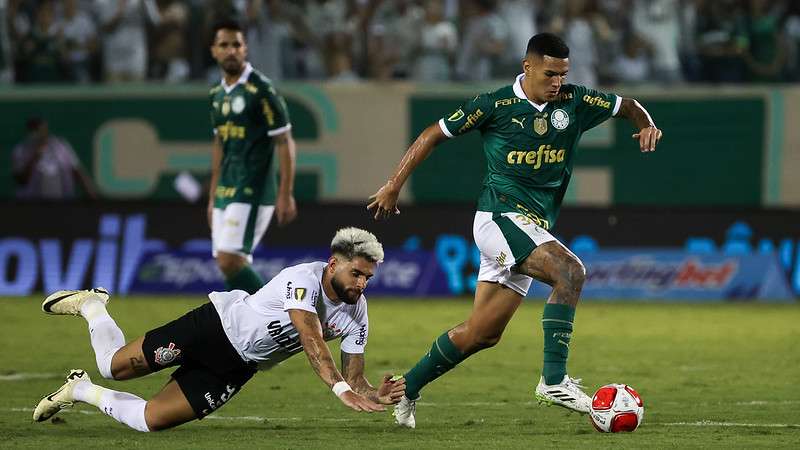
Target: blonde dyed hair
x=351, y=242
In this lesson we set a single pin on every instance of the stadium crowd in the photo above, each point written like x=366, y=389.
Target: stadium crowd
x=612, y=41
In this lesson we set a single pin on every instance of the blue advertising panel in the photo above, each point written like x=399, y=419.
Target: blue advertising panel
x=133, y=248
x=677, y=274
x=401, y=274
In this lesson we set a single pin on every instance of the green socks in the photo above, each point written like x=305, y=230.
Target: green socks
x=442, y=357
x=246, y=279
x=557, y=326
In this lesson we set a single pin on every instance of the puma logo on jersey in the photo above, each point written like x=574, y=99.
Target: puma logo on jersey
x=521, y=123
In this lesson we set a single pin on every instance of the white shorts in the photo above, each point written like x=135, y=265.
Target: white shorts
x=505, y=240
x=238, y=228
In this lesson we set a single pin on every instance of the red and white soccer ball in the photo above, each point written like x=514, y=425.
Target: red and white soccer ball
x=615, y=408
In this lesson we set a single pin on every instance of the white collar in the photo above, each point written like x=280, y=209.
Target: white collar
x=521, y=94
x=248, y=69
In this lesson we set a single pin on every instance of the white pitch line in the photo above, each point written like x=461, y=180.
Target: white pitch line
x=767, y=402
x=711, y=423
x=30, y=376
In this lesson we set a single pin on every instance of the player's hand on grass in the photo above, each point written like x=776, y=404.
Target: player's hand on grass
x=285, y=209
x=648, y=138
x=391, y=390
x=385, y=201
x=360, y=403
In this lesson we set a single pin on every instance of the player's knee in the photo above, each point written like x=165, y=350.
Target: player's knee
x=229, y=264
x=573, y=274
x=156, y=422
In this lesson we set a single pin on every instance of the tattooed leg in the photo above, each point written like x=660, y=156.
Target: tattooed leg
x=129, y=361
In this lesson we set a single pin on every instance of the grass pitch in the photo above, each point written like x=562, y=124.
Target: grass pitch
x=710, y=375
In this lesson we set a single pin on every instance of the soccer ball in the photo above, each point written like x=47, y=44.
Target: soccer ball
x=615, y=408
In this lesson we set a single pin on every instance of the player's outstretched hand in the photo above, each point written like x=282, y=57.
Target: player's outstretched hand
x=648, y=138
x=391, y=390
x=285, y=209
x=360, y=403
x=385, y=201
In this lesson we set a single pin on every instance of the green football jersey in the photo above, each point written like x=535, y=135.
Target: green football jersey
x=245, y=117
x=530, y=149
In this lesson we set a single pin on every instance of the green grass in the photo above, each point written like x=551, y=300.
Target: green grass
x=721, y=376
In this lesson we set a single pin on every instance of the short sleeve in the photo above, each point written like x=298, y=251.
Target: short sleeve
x=274, y=111
x=595, y=107
x=301, y=294
x=354, y=340
x=473, y=114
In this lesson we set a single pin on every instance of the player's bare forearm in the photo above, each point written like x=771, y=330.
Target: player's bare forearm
x=353, y=372
x=635, y=112
x=317, y=351
x=385, y=200
x=216, y=161
x=649, y=135
x=287, y=151
x=416, y=153
x=285, y=206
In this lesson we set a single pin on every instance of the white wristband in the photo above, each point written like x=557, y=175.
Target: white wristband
x=340, y=388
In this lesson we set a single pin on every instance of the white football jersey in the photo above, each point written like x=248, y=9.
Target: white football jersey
x=259, y=326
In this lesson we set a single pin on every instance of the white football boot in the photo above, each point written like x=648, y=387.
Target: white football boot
x=405, y=411
x=60, y=399
x=69, y=302
x=567, y=394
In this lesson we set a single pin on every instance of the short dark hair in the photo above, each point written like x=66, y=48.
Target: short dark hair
x=547, y=44
x=225, y=24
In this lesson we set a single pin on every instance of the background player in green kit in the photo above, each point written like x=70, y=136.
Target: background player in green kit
x=250, y=125
x=530, y=136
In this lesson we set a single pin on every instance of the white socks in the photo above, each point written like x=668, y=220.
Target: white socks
x=125, y=408
x=104, y=333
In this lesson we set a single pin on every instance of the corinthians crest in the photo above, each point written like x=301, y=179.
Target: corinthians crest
x=540, y=124
x=166, y=355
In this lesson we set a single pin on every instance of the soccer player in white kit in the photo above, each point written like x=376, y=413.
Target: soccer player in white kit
x=220, y=345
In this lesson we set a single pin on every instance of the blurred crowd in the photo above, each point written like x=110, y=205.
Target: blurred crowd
x=611, y=41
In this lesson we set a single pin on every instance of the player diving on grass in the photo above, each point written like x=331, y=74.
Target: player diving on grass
x=220, y=345
x=530, y=133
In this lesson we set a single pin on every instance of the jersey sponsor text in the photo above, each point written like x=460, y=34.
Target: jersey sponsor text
x=545, y=154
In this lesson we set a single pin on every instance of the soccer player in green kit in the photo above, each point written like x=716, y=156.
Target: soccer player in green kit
x=250, y=123
x=530, y=135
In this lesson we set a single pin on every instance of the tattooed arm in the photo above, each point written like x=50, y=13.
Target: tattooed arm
x=317, y=351
x=389, y=392
x=319, y=355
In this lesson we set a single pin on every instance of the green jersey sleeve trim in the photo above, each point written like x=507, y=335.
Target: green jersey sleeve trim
x=617, y=104
x=444, y=129
x=280, y=130
x=472, y=114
